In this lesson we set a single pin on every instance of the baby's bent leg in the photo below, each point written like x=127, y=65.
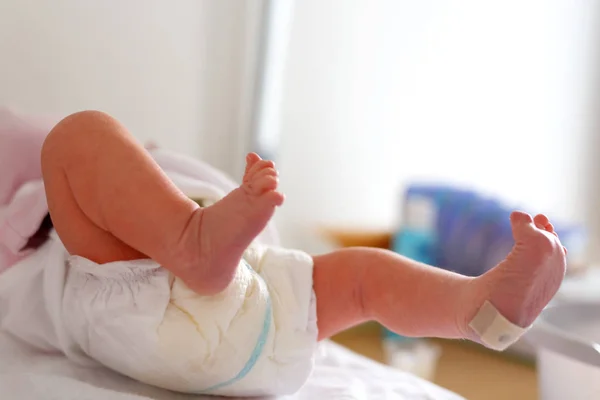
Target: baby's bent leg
x=108, y=199
x=355, y=285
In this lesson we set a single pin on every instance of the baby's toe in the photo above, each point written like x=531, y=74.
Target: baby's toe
x=522, y=225
x=251, y=159
x=256, y=168
x=541, y=221
x=520, y=218
x=273, y=197
x=264, y=184
x=272, y=172
x=267, y=171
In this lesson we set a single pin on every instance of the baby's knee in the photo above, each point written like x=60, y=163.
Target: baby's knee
x=76, y=135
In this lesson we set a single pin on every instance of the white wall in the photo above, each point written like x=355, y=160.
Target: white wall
x=489, y=94
x=172, y=72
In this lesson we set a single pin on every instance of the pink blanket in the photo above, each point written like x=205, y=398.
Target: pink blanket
x=22, y=197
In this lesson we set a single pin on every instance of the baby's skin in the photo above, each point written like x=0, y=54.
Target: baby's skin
x=109, y=201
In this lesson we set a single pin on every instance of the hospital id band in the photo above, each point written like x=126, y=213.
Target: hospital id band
x=493, y=329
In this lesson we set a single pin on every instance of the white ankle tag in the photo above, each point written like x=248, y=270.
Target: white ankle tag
x=495, y=331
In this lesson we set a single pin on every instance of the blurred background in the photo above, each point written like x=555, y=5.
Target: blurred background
x=358, y=102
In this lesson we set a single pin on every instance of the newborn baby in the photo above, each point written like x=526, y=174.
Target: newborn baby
x=181, y=296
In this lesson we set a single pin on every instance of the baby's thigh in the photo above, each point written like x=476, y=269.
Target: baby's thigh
x=80, y=235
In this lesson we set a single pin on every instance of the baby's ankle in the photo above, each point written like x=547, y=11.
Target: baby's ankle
x=185, y=254
x=207, y=258
x=475, y=294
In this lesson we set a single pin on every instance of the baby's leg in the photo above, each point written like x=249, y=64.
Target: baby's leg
x=355, y=285
x=359, y=284
x=110, y=201
x=100, y=184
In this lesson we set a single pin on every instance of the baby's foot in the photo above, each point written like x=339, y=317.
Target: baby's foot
x=227, y=227
x=523, y=284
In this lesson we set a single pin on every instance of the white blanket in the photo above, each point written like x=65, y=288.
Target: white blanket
x=26, y=374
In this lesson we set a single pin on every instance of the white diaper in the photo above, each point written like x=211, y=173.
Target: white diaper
x=258, y=337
